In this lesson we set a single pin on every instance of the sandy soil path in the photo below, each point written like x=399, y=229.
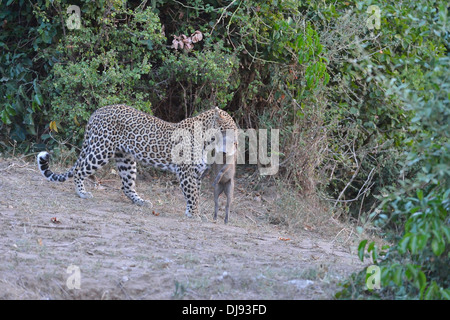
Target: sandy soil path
x=54, y=245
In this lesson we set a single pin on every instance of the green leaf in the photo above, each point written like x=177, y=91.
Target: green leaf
x=5, y=118
x=38, y=99
x=28, y=119
x=354, y=111
x=397, y=276
x=430, y=293
x=411, y=271
x=420, y=194
x=373, y=248
x=422, y=282
x=10, y=110
x=403, y=244
x=422, y=240
x=149, y=44
x=437, y=246
x=413, y=244
x=361, y=248
x=326, y=79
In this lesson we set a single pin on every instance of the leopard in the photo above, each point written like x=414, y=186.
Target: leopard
x=127, y=135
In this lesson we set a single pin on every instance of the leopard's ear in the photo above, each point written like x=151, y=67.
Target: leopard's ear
x=219, y=114
x=216, y=114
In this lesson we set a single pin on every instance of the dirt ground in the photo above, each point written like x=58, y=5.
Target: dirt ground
x=55, y=245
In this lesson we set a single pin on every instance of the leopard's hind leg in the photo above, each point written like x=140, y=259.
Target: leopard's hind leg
x=190, y=184
x=88, y=163
x=126, y=165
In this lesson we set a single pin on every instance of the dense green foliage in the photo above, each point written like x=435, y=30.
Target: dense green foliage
x=414, y=211
x=416, y=266
x=363, y=111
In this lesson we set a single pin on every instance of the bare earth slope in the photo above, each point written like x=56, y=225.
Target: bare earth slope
x=54, y=245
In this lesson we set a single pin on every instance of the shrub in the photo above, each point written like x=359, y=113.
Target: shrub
x=415, y=265
x=26, y=30
x=105, y=62
x=197, y=81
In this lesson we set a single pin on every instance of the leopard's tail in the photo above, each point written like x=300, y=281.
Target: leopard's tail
x=42, y=161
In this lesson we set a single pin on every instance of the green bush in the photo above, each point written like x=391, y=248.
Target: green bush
x=201, y=79
x=105, y=62
x=415, y=266
x=26, y=30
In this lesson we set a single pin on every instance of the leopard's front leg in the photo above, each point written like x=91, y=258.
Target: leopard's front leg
x=190, y=186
